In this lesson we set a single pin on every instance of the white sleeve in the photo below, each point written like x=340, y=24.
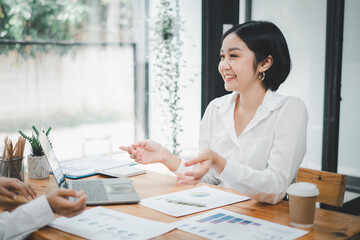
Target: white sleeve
x=182, y=168
x=26, y=219
x=288, y=150
x=204, y=139
x=204, y=142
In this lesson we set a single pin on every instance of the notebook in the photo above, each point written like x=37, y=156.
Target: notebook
x=123, y=171
x=99, y=191
x=85, y=167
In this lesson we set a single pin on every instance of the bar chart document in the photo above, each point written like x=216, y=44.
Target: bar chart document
x=103, y=223
x=227, y=225
x=191, y=201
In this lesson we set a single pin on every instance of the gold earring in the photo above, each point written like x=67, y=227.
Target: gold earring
x=261, y=76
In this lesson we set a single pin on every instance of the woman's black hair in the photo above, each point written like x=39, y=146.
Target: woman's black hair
x=264, y=39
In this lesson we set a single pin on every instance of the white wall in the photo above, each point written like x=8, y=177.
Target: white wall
x=95, y=80
x=94, y=86
x=303, y=24
x=349, y=149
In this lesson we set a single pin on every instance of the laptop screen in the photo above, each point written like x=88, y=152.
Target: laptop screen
x=50, y=155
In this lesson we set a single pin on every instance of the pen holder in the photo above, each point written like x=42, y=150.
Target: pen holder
x=12, y=168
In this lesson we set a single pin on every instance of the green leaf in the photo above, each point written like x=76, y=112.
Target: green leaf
x=36, y=149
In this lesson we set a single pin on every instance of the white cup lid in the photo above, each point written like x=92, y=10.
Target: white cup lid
x=303, y=189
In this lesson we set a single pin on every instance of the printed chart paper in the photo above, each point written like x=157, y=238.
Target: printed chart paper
x=209, y=196
x=227, y=225
x=102, y=223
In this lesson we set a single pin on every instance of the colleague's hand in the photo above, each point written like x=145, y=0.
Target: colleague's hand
x=8, y=187
x=205, y=160
x=145, y=152
x=61, y=205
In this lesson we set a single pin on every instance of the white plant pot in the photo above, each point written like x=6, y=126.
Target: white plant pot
x=38, y=167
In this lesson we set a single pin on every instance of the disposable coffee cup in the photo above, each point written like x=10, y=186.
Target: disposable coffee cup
x=302, y=199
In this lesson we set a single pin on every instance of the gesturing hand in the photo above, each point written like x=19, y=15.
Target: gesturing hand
x=205, y=160
x=148, y=151
x=61, y=205
x=10, y=185
x=145, y=152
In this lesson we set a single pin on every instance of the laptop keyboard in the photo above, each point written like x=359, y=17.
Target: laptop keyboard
x=94, y=189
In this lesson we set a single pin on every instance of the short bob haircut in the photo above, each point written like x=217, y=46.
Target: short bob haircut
x=264, y=39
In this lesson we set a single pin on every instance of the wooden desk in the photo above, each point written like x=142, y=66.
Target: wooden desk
x=327, y=225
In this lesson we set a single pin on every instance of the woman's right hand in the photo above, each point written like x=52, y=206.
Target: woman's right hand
x=148, y=151
x=145, y=152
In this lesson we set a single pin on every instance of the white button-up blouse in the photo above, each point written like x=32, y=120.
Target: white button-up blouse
x=263, y=161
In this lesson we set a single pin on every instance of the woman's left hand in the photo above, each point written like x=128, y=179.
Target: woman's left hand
x=205, y=160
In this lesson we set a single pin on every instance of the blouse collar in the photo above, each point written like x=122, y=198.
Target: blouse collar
x=271, y=102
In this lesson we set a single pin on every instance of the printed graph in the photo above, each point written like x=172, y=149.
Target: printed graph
x=190, y=201
x=107, y=225
x=220, y=217
x=227, y=225
x=200, y=194
x=103, y=223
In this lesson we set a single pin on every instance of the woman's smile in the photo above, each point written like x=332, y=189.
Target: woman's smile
x=229, y=77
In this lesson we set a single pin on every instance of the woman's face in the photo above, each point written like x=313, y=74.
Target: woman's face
x=237, y=64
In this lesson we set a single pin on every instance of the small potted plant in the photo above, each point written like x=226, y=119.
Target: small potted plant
x=38, y=167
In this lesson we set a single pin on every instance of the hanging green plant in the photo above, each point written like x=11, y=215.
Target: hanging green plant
x=30, y=21
x=166, y=50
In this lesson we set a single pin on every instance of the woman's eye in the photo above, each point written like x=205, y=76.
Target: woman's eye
x=221, y=56
x=233, y=56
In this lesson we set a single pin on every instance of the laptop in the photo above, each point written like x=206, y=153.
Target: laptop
x=99, y=191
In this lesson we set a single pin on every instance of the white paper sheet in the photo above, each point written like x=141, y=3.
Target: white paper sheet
x=103, y=223
x=212, y=197
x=227, y=225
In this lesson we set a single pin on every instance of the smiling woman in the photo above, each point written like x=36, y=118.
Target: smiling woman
x=266, y=47
x=252, y=140
x=236, y=64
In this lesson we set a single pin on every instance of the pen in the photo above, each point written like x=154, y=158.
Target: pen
x=186, y=202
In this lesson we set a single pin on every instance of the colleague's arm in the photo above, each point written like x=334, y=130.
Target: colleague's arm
x=40, y=212
x=25, y=219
